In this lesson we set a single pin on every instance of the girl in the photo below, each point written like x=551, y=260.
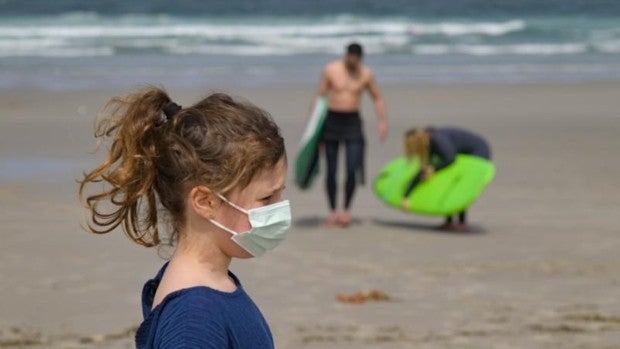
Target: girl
x=441, y=144
x=216, y=172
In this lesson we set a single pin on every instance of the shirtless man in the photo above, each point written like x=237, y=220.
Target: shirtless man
x=343, y=82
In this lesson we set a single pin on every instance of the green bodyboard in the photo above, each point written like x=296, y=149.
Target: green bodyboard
x=307, y=161
x=447, y=192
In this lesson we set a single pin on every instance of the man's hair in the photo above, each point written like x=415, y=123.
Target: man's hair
x=355, y=49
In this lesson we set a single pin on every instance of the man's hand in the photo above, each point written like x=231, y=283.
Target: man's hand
x=382, y=130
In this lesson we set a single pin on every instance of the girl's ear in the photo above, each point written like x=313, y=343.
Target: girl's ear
x=203, y=202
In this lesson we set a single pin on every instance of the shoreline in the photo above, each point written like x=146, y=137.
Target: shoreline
x=271, y=85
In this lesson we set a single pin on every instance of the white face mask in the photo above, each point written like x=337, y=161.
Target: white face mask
x=269, y=226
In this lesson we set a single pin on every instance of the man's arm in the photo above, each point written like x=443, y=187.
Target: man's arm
x=322, y=89
x=380, y=109
x=323, y=84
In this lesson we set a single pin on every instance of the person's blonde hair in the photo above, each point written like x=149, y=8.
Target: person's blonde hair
x=153, y=160
x=417, y=144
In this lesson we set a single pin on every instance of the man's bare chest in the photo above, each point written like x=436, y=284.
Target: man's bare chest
x=346, y=82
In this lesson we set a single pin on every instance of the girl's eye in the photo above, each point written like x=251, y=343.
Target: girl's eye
x=267, y=199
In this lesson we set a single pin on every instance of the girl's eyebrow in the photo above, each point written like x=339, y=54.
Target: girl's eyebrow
x=273, y=191
x=277, y=189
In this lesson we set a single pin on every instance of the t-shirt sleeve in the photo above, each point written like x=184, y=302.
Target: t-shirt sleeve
x=188, y=323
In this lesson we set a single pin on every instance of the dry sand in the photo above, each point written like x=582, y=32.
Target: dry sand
x=541, y=269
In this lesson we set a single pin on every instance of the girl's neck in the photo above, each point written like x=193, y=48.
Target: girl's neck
x=199, y=251
x=197, y=261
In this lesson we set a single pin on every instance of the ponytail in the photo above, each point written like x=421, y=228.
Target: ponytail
x=134, y=124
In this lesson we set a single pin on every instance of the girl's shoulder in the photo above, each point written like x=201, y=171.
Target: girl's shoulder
x=185, y=318
x=179, y=298
x=189, y=315
x=197, y=297
x=195, y=303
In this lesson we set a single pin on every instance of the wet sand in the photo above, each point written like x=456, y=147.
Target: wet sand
x=541, y=268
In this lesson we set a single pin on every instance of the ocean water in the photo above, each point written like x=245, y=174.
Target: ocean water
x=70, y=44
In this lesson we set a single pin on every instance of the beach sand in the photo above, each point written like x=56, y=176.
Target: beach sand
x=541, y=268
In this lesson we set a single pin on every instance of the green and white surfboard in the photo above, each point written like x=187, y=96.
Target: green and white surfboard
x=307, y=162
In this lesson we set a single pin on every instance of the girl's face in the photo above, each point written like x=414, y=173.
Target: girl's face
x=265, y=189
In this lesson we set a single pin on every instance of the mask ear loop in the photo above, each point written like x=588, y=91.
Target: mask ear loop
x=220, y=225
x=232, y=204
x=223, y=227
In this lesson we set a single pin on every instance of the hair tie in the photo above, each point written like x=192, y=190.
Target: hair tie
x=171, y=109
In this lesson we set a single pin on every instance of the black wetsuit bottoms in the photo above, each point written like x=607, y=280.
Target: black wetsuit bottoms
x=344, y=128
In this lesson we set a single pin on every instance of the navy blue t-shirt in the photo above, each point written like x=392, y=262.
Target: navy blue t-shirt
x=201, y=317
